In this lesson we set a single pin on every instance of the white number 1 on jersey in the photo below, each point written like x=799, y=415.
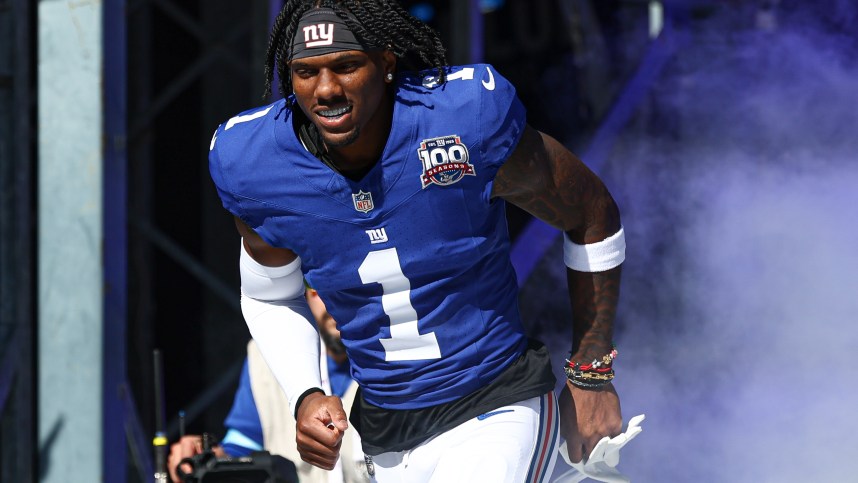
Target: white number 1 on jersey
x=405, y=342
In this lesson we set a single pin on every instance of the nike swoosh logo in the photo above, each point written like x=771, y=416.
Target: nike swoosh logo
x=493, y=413
x=490, y=85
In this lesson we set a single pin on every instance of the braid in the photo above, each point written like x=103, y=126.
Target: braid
x=279, y=41
x=379, y=22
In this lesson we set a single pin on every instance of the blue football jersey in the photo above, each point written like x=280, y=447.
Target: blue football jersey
x=413, y=259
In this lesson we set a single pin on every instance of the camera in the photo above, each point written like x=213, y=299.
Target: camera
x=259, y=467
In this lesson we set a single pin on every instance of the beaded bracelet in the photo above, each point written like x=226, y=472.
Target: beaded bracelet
x=592, y=375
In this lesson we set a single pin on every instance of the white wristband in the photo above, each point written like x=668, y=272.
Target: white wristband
x=595, y=257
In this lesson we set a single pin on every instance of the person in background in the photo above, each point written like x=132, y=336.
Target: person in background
x=260, y=419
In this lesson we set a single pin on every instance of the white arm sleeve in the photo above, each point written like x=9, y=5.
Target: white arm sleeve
x=274, y=308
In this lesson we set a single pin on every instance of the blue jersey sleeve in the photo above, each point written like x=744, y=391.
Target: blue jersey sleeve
x=502, y=116
x=241, y=152
x=217, y=172
x=244, y=430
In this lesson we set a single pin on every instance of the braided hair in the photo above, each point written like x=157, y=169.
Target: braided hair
x=379, y=22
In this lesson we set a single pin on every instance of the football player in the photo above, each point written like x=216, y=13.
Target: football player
x=381, y=180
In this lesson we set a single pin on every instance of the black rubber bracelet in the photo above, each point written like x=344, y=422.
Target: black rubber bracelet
x=588, y=385
x=303, y=395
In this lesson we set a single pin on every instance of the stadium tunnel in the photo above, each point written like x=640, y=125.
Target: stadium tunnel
x=114, y=242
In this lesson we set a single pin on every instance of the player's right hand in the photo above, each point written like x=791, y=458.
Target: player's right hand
x=321, y=424
x=186, y=447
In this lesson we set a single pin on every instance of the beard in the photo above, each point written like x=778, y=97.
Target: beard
x=341, y=140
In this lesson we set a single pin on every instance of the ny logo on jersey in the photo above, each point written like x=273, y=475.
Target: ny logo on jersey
x=445, y=161
x=378, y=235
x=363, y=201
x=319, y=34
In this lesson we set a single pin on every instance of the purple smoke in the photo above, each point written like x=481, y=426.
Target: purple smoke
x=738, y=182
x=750, y=380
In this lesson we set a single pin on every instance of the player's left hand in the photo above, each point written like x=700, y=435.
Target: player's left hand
x=587, y=416
x=602, y=463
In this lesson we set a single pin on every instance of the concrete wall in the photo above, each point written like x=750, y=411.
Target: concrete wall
x=70, y=295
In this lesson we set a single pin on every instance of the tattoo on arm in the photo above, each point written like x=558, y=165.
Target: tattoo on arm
x=545, y=179
x=594, y=299
x=548, y=181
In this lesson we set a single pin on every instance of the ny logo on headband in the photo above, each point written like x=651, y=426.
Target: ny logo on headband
x=319, y=34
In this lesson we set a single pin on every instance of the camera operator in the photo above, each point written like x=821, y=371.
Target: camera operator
x=260, y=417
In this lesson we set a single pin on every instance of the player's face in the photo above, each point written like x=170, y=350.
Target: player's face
x=341, y=93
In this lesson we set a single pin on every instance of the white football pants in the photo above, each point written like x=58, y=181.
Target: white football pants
x=512, y=444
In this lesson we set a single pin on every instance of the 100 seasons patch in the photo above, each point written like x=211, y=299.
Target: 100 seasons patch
x=445, y=161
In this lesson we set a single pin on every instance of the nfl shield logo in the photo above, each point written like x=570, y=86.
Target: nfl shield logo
x=363, y=201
